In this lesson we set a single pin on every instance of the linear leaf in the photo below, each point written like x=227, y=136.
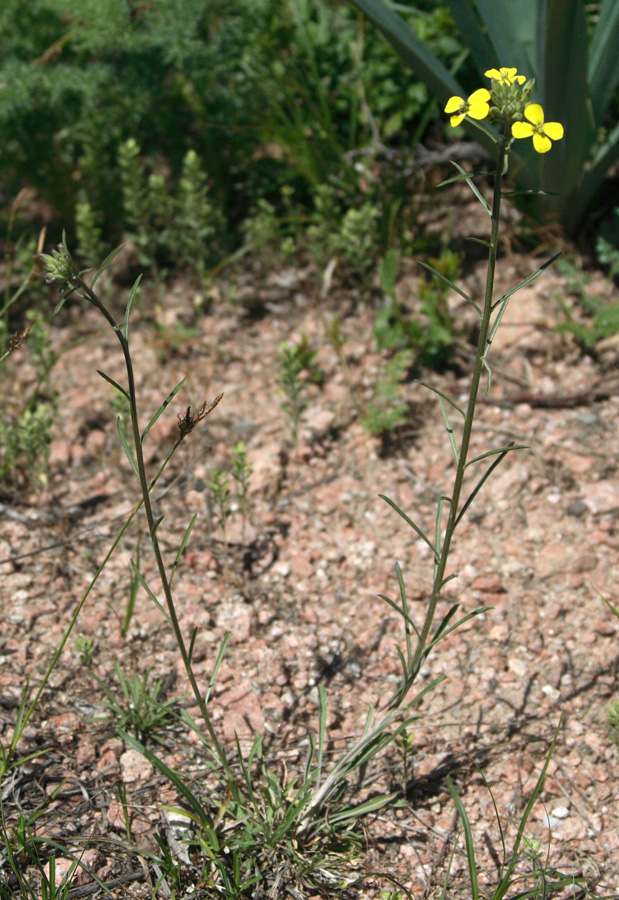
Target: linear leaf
x=183, y=544
x=450, y=431
x=178, y=783
x=113, y=383
x=132, y=295
x=480, y=241
x=142, y=581
x=473, y=187
x=167, y=400
x=108, y=259
x=444, y=396
x=511, y=446
x=466, y=177
x=121, y=432
x=502, y=454
x=527, y=280
x=451, y=284
x=409, y=521
x=468, y=837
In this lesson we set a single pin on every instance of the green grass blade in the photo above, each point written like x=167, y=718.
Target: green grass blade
x=501, y=456
x=468, y=837
x=165, y=403
x=505, y=882
x=322, y=731
x=171, y=775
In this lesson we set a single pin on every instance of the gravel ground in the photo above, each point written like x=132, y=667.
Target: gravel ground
x=299, y=589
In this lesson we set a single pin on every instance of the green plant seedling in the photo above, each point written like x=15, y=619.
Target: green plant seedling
x=143, y=710
x=219, y=486
x=296, y=360
x=241, y=473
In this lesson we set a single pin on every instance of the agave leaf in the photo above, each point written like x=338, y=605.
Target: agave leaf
x=603, y=68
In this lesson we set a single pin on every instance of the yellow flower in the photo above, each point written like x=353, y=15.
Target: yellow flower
x=505, y=76
x=540, y=131
x=477, y=107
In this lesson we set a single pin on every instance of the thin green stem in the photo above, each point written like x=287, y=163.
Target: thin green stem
x=454, y=500
x=137, y=440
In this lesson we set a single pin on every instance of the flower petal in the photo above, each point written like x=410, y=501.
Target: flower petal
x=554, y=130
x=493, y=73
x=480, y=96
x=522, y=130
x=453, y=104
x=541, y=143
x=534, y=113
x=508, y=74
x=455, y=120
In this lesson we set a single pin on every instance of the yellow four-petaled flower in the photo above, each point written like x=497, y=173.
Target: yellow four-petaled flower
x=505, y=75
x=543, y=133
x=477, y=106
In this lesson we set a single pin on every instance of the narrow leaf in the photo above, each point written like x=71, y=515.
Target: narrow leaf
x=502, y=454
x=121, y=432
x=466, y=177
x=450, y=431
x=142, y=581
x=165, y=403
x=526, y=280
x=502, y=450
x=183, y=544
x=444, y=396
x=322, y=731
x=451, y=285
x=409, y=521
x=480, y=241
x=180, y=785
x=108, y=259
x=113, y=383
x=132, y=295
x=473, y=187
x=468, y=837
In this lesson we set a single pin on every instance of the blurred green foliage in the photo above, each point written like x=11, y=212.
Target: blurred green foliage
x=267, y=93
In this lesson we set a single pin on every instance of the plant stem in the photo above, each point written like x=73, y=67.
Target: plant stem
x=454, y=501
x=137, y=440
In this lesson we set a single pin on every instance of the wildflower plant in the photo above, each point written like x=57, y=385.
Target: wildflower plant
x=253, y=825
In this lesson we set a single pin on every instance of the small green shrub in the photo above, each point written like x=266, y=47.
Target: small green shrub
x=297, y=369
x=602, y=313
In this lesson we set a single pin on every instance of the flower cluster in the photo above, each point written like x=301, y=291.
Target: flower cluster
x=508, y=100
x=58, y=266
